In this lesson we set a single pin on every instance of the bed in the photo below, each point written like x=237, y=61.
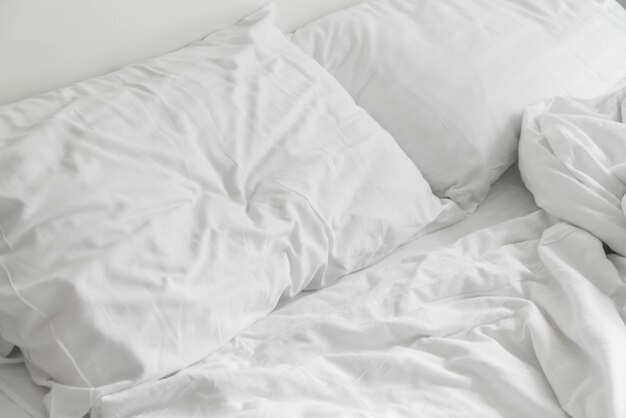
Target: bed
x=377, y=208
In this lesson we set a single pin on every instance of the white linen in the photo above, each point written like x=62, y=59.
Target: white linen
x=150, y=215
x=450, y=79
x=8, y=408
x=507, y=199
x=520, y=320
x=504, y=323
x=5, y=348
x=574, y=151
x=19, y=394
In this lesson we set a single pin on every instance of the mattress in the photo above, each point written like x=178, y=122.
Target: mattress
x=508, y=199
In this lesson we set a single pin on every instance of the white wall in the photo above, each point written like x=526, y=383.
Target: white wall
x=46, y=44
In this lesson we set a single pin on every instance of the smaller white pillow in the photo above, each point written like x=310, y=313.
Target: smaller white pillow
x=451, y=79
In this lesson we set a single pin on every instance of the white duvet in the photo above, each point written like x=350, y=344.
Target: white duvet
x=519, y=320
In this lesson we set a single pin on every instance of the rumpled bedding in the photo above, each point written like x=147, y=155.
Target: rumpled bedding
x=573, y=160
x=148, y=216
x=518, y=320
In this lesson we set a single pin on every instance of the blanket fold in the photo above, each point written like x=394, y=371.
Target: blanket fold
x=522, y=319
x=572, y=156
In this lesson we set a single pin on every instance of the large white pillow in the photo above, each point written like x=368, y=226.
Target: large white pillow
x=150, y=215
x=450, y=79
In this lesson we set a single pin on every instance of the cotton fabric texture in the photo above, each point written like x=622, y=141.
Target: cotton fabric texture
x=522, y=319
x=150, y=215
x=450, y=79
x=575, y=151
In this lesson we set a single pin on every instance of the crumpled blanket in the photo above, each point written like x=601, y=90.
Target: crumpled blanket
x=518, y=320
x=572, y=157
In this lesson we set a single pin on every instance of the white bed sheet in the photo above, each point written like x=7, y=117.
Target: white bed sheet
x=8, y=408
x=508, y=199
x=19, y=396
